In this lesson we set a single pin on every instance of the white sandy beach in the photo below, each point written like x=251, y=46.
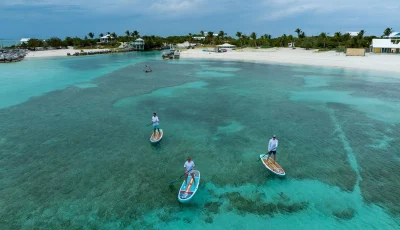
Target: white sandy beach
x=57, y=53
x=375, y=62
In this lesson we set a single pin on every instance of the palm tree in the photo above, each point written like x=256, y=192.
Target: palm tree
x=114, y=35
x=387, y=32
x=128, y=34
x=91, y=35
x=254, y=37
x=190, y=38
x=290, y=37
x=298, y=31
x=202, y=33
x=361, y=34
x=239, y=35
x=101, y=35
x=284, y=39
x=245, y=38
x=323, y=36
x=267, y=36
x=337, y=37
x=210, y=36
x=221, y=34
x=302, y=34
x=135, y=34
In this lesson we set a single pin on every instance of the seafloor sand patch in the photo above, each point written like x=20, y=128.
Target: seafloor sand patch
x=86, y=85
x=213, y=74
x=174, y=91
x=375, y=108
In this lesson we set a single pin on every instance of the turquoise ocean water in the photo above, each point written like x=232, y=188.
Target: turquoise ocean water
x=75, y=150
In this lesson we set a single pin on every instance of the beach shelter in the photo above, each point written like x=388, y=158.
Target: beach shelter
x=227, y=46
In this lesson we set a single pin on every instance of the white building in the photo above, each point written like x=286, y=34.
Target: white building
x=138, y=44
x=227, y=46
x=291, y=44
x=106, y=38
x=215, y=35
x=394, y=35
x=353, y=34
x=385, y=46
x=199, y=38
x=24, y=40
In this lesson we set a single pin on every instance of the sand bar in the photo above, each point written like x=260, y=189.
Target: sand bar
x=374, y=62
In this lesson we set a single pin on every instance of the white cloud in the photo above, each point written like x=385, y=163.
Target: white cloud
x=261, y=9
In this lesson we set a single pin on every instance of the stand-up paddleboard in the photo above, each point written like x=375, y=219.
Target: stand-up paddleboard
x=272, y=166
x=156, y=138
x=187, y=191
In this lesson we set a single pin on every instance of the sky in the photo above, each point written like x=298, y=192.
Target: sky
x=61, y=18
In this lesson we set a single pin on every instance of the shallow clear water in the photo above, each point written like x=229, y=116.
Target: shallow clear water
x=77, y=154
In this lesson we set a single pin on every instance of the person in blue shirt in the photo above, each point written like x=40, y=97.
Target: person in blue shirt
x=272, y=146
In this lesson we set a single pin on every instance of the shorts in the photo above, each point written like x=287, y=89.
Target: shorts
x=156, y=126
x=273, y=152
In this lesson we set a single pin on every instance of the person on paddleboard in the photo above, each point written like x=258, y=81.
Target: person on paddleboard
x=147, y=69
x=189, y=166
x=272, y=146
x=156, y=125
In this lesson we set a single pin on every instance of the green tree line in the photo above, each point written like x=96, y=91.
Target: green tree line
x=322, y=41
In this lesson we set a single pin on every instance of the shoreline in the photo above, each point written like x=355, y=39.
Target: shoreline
x=62, y=52
x=372, y=62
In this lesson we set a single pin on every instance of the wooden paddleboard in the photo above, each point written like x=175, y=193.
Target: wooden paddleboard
x=272, y=166
x=187, y=191
x=156, y=138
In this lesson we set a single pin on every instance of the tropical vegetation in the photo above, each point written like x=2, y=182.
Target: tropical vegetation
x=324, y=40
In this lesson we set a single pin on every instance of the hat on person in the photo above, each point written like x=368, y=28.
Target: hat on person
x=274, y=136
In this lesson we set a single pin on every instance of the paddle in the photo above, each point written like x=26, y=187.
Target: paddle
x=262, y=156
x=171, y=183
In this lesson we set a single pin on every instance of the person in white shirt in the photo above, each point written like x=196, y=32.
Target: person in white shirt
x=189, y=166
x=154, y=120
x=272, y=146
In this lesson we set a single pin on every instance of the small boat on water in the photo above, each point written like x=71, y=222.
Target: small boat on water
x=157, y=137
x=187, y=191
x=271, y=165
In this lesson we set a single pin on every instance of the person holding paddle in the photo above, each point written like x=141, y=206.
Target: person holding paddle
x=154, y=120
x=189, y=166
x=272, y=146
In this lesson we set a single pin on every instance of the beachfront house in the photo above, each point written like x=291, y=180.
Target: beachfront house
x=385, y=45
x=138, y=44
x=291, y=44
x=24, y=41
x=227, y=46
x=106, y=38
x=393, y=36
x=199, y=38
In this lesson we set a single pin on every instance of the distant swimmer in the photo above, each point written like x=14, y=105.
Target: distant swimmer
x=148, y=69
x=272, y=146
